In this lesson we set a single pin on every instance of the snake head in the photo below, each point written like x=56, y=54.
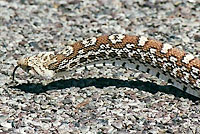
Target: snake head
x=37, y=65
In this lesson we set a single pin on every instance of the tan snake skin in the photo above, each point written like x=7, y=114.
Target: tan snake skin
x=175, y=66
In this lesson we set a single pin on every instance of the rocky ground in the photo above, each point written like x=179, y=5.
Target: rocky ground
x=100, y=100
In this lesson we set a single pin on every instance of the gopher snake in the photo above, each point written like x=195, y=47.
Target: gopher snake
x=175, y=66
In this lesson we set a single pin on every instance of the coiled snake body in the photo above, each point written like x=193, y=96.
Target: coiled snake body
x=180, y=68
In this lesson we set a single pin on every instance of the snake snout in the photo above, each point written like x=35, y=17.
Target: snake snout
x=22, y=63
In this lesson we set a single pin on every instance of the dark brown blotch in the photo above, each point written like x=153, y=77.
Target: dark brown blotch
x=160, y=64
x=83, y=60
x=45, y=58
x=113, y=54
x=192, y=80
x=91, y=57
x=169, y=69
x=101, y=55
x=124, y=55
x=179, y=74
x=136, y=56
x=147, y=59
x=73, y=64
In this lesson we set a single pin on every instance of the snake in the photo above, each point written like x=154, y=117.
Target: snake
x=168, y=63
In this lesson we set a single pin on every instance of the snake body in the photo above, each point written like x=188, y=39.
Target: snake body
x=173, y=65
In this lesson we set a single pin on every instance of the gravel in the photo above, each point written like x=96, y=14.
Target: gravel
x=100, y=100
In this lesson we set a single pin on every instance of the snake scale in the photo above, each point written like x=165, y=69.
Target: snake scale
x=170, y=64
